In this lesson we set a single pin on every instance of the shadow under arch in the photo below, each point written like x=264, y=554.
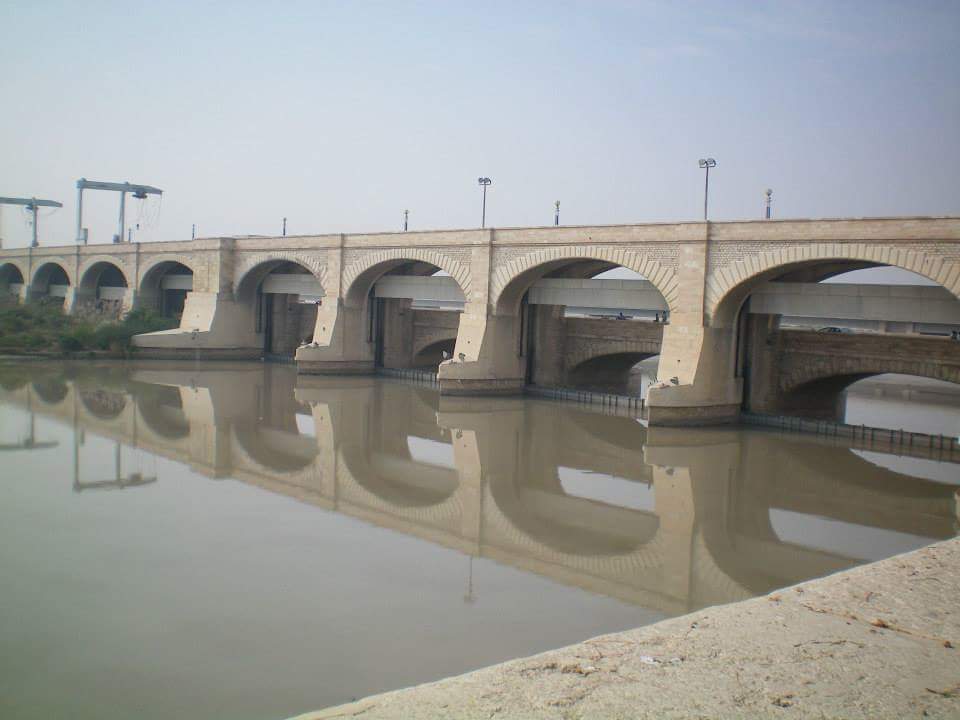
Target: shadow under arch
x=430, y=356
x=725, y=302
x=10, y=274
x=103, y=273
x=822, y=397
x=49, y=273
x=607, y=373
x=167, y=301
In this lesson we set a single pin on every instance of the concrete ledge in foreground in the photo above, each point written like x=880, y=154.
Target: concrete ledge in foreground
x=878, y=641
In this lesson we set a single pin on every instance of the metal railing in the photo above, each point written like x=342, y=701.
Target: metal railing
x=631, y=405
x=866, y=437
x=422, y=377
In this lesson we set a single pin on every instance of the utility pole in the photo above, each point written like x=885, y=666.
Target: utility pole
x=139, y=191
x=484, y=182
x=31, y=204
x=706, y=165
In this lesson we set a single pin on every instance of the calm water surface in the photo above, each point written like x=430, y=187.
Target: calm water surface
x=231, y=541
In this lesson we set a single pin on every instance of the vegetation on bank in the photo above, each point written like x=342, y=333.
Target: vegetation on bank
x=44, y=328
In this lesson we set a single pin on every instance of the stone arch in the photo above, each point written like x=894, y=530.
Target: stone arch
x=256, y=268
x=728, y=287
x=149, y=269
x=641, y=349
x=10, y=274
x=44, y=266
x=366, y=267
x=842, y=372
x=252, y=262
x=47, y=274
x=101, y=262
x=505, y=302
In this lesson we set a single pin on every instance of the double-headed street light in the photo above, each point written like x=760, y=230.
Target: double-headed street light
x=706, y=164
x=484, y=182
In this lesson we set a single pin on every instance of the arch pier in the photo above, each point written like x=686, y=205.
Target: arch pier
x=491, y=308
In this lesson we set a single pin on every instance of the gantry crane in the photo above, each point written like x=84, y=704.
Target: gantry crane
x=139, y=191
x=31, y=204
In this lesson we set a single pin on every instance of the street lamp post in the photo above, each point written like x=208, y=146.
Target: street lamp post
x=706, y=164
x=769, y=199
x=484, y=182
x=556, y=213
x=406, y=218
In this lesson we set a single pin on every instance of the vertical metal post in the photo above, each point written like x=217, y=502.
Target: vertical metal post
x=193, y=231
x=483, y=213
x=556, y=213
x=406, y=218
x=79, y=214
x=123, y=209
x=706, y=190
x=284, y=227
x=34, y=242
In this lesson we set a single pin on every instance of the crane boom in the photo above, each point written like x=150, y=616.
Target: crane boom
x=84, y=184
x=139, y=191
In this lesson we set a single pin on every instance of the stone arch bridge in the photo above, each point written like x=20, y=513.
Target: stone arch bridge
x=317, y=296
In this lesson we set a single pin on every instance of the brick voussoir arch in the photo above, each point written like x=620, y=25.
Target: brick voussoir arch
x=605, y=348
x=868, y=365
x=118, y=261
x=662, y=277
x=251, y=261
x=152, y=263
x=940, y=270
x=457, y=270
x=53, y=260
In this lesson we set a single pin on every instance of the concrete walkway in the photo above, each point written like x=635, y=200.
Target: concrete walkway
x=879, y=641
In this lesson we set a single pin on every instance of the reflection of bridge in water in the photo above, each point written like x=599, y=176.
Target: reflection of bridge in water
x=667, y=519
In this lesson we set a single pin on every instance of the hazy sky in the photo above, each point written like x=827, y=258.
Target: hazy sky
x=339, y=115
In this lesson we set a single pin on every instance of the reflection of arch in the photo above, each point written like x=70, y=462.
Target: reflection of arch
x=727, y=290
x=360, y=276
x=10, y=274
x=103, y=404
x=557, y=520
x=510, y=282
x=47, y=274
x=397, y=479
x=51, y=390
x=161, y=408
x=262, y=444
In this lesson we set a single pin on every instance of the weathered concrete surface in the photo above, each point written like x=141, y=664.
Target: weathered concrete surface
x=879, y=641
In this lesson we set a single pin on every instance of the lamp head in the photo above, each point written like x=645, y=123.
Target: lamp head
x=708, y=163
x=484, y=181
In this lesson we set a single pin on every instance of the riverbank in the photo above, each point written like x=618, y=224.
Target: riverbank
x=45, y=331
x=878, y=641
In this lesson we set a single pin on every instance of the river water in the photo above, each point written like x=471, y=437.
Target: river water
x=232, y=541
